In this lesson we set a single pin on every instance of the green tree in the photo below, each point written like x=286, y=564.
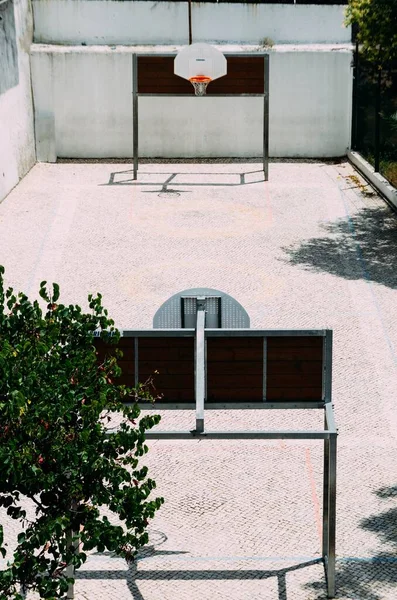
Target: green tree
x=55, y=449
x=376, y=21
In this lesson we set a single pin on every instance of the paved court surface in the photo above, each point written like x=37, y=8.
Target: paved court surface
x=312, y=248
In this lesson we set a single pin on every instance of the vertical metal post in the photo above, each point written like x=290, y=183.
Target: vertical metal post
x=264, y=363
x=331, y=516
x=327, y=358
x=135, y=112
x=70, y=573
x=190, y=20
x=220, y=313
x=325, y=496
x=73, y=540
x=182, y=313
x=356, y=75
x=200, y=364
x=377, y=120
x=136, y=361
x=266, y=120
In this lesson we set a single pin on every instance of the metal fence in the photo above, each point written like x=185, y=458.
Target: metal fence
x=374, y=132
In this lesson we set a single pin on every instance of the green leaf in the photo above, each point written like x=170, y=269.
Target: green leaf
x=55, y=293
x=43, y=291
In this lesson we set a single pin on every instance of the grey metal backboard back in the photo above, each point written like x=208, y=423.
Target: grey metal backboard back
x=176, y=311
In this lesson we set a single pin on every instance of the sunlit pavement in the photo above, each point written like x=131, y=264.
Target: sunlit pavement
x=312, y=248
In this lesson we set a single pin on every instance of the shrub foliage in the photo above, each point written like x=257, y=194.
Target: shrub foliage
x=55, y=448
x=377, y=28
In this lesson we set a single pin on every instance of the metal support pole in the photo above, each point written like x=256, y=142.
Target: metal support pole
x=377, y=120
x=325, y=495
x=136, y=361
x=331, y=517
x=356, y=76
x=70, y=571
x=190, y=20
x=200, y=365
x=266, y=121
x=135, y=112
x=327, y=377
x=264, y=377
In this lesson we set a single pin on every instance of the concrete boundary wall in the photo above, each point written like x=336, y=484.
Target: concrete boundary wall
x=17, y=148
x=150, y=22
x=83, y=108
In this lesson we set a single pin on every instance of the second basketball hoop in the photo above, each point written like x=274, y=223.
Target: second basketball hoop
x=200, y=64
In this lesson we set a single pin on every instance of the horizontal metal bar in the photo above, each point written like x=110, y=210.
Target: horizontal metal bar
x=192, y=95
x=223, y=332
x=227, y=54
x=165, y=405
x=238, y=435
x=262, y=405
x=157, y=332
x=255, y=53
x=232, y=405
x=264, y=332
x=329, y=414
x=156, y=54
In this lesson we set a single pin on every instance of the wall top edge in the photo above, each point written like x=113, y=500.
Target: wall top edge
x=296, y=3
x=154, y=49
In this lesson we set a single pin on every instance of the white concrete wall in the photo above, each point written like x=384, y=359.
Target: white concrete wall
x=83, y=107
x=151, y=22
x=17, y=149
x=310, y=103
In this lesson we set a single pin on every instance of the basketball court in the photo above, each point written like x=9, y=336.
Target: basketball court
x=312, y=248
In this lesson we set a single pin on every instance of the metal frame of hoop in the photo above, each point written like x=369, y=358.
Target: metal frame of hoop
x=201, y=335
x=136, y=95
x=200, y=83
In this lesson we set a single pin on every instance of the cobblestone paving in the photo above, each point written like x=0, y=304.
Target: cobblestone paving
x=312, y=248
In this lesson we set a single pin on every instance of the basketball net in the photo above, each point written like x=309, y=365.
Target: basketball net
x=200, y=83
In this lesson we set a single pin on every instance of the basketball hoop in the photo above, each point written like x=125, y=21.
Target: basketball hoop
x=200, y=83
x=200, y=64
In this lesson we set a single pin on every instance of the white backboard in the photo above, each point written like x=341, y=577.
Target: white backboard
x=200, y=60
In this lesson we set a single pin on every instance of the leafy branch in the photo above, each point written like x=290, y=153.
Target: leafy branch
x=56, y=400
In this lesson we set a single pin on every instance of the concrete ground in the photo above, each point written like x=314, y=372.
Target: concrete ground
x=312, y=248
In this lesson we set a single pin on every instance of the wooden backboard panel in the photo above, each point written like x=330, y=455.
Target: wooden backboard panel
x=173, y=359
x=245, y=75
x=235, y=369
x=126, y=363
x=294, y=368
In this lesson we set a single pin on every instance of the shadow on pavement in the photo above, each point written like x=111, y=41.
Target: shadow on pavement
x=361, y=246
x=373, y=577
x=240, y=179
x=133, y=576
